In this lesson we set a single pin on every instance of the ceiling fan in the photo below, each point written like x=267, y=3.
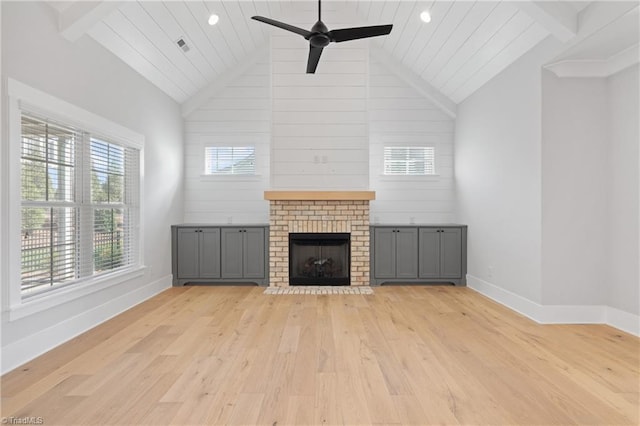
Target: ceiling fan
x=319, y=36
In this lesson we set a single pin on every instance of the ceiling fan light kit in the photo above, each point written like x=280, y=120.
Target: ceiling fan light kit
x=320, y=36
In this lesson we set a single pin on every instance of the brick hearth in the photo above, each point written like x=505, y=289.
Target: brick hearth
x=318, y=215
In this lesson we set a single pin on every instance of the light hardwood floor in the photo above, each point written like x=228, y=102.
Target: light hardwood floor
x=405, y=355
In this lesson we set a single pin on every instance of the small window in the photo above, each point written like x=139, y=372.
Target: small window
x=409, y=160
x=229, y=160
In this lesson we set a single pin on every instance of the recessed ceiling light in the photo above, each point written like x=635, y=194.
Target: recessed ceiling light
x=213, y=19
x=425, y=16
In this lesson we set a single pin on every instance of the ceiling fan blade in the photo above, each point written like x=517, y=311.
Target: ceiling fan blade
x=314, y=58
x=304, y=33
x=346, y=34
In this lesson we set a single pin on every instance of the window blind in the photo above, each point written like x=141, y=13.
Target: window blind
x=49, y=211
x=409, y=161
x=229, y=160
x=114, y=174
x=80, y=205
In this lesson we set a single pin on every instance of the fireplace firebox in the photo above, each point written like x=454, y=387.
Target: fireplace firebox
x=319, y=258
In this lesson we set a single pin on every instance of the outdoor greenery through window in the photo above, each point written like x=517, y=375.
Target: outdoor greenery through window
x=409, y=160
x=229, y=160
x=80, y=205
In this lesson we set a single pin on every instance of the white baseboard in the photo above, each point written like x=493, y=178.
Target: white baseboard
x=557, y=314
x=622, y=320
x=30, y=347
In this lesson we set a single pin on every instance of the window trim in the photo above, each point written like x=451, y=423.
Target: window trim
x=25, y=98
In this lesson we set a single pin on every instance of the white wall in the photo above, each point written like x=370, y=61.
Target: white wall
x=497, y=163
x=622, y=277
x=400, y=116
x=320, y=125
x=590, y=191
x=547, y=180
x=238, y=115
x=575, y=177
x=86, y=75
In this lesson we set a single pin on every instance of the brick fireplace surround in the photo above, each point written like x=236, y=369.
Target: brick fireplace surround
x=318, y=211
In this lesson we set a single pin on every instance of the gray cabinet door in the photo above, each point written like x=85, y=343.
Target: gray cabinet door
x=451, y=253
x=253, y=259
x=210, y=253
x=384, y=263
x=188, y=248
x=232, y=252
x=406, y=253
x=429, y=253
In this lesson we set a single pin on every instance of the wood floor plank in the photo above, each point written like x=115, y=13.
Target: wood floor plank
x=300, y=410
x=404, y=355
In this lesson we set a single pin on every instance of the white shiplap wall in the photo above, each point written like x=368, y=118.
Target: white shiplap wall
x=320, y=125
x=353, y=122
x=400, y=116
x=238, y=115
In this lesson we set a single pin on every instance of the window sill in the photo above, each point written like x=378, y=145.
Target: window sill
x=231, y=178
x=50, y=299
x=409, y=178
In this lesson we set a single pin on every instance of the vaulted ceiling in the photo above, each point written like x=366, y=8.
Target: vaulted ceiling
x=465, y=45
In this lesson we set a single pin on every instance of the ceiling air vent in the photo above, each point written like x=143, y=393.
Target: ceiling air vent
x=183, y=45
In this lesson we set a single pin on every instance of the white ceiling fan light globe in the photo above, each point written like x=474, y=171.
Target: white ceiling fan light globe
x=213, y=19
x=425, y=16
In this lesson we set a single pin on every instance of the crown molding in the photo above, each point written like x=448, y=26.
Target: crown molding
x=596, y=68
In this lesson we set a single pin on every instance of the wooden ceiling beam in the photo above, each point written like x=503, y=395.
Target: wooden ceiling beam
x=559, y=18
x=81, y=16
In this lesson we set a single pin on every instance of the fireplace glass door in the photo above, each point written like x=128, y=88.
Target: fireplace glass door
x=319, y=259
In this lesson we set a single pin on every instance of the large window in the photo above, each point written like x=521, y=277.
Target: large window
x=80, y=204
x=409, y=160
x=229, y=160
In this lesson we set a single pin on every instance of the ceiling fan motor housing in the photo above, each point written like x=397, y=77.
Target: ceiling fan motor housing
x=319, y=37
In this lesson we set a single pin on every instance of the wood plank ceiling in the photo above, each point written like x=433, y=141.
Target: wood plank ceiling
x=464, y=46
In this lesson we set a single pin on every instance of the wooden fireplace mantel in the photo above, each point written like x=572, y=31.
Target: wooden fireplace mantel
x=319, y=195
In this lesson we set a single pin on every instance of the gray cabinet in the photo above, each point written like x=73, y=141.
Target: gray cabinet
x=419, y=254
x=243, y=253
x=198, y=253
x=440, y=253
x=219, y=254
x=395, y=253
